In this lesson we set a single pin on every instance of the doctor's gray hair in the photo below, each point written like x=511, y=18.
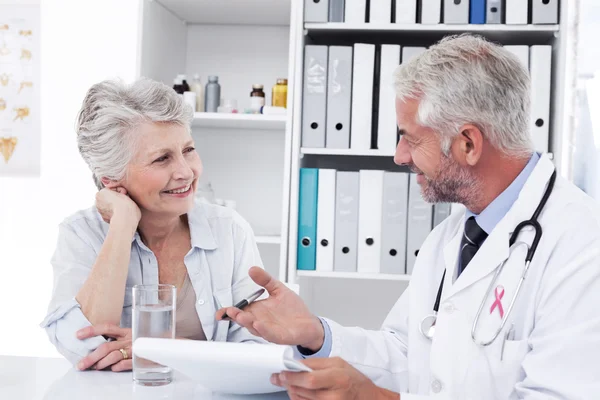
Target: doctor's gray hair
x=467, y=80
x=110, y=114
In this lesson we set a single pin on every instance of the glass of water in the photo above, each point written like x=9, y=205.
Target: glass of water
x=153, y=317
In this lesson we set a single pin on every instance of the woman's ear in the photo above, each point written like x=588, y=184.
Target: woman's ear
x=109, y=183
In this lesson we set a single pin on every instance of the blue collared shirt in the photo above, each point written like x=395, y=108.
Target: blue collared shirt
x=487, y=220
x=497, y=209
x=223, y=249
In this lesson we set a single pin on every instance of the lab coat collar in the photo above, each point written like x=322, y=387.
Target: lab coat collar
x=496, y=249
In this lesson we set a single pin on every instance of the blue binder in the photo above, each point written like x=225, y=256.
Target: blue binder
x=307, y=219
x=477, y=14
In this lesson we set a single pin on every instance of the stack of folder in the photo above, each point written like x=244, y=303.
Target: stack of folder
x=432, y=11
x=369, y=221
x=348, y=103
x=365, y=221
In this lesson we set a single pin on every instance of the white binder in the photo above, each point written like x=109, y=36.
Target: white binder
x=314, y=101
x=339, y=97
x=356, y=11
x=387, y=126
x=540, y=61
x=409, y=52
x=316, y=11
x=406, y=12
x=394, y=217
x=420, y=218
x=369, y=221
x=380, y=12
x=522, y=53
x=431, y=11
x=325, y=220
x=456, y=12
x=517, y=12
x=441, y=211
x=346, y=221
x=544, y=11
x=494, y=11
x=362, y=96
x=336, y=10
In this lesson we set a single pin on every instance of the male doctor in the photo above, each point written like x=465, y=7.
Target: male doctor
x=463, y=113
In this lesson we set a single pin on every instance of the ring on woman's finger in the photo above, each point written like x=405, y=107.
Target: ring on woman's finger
x=124, y=352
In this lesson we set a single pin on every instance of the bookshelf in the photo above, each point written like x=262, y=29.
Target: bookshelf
x=255, y=159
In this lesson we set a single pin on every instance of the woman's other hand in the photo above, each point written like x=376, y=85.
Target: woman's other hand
x=115, y=354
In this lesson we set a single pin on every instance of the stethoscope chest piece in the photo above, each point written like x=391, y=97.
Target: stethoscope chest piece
x=427, y=326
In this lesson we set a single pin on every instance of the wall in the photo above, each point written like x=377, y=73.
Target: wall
x=586, y=157
x=83, y=42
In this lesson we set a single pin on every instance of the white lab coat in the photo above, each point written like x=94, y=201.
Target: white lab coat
x=555, y=352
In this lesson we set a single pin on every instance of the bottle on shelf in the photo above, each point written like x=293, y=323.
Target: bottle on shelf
x=257, y=97
x=228, y=106
x=184, y=84
x=197, y=88
x=212, y=95
x=177, y=85
x=189, y=98
x=269, y=110
x=279, y=94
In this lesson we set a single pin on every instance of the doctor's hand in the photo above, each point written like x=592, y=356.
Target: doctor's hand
x=331, y=379
x=108, y=354
x=282, y=318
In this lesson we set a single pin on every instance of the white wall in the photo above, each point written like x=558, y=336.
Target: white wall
x=83, y=42
x=588, y=57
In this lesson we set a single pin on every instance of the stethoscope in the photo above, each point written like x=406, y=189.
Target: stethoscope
x=427, y=326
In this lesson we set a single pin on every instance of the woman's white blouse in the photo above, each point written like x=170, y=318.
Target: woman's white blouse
x=223, y=249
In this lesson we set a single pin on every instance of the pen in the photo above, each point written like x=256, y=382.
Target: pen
x=244, y=303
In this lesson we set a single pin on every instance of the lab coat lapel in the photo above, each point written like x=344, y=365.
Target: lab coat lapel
x=495, y=249
x=451, y=255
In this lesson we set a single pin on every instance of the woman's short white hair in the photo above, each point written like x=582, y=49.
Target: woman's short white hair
x=111, y=113
x=467, y=80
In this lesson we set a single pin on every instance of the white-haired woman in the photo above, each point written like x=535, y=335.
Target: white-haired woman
x=144, y=228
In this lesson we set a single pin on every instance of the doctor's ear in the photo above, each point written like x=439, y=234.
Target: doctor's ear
x=470, y=144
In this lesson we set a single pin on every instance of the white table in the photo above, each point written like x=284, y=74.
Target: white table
x=26, y=378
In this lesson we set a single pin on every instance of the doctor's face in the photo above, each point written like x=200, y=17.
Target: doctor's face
x=441, y=178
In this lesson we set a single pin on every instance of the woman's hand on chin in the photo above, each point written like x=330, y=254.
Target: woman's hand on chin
x=115, y=203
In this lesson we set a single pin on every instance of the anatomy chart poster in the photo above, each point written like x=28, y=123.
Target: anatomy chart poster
x=20, y=90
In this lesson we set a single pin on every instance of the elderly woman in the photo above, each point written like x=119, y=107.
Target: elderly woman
x=144, y=228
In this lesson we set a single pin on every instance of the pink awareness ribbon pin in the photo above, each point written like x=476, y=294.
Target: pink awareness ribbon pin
x=497, y=302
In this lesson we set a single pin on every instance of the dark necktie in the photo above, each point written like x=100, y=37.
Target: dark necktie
x=472, y=239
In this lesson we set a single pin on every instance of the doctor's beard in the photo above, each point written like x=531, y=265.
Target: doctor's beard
x=453, y=183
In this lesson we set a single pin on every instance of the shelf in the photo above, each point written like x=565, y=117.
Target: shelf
x=268, y=239
x=231, y=12
x=354, y=275
x=346, y=152
x=239, y=121
x=501, y=32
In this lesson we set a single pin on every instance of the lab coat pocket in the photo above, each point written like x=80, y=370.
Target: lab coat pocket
x=509, y=370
